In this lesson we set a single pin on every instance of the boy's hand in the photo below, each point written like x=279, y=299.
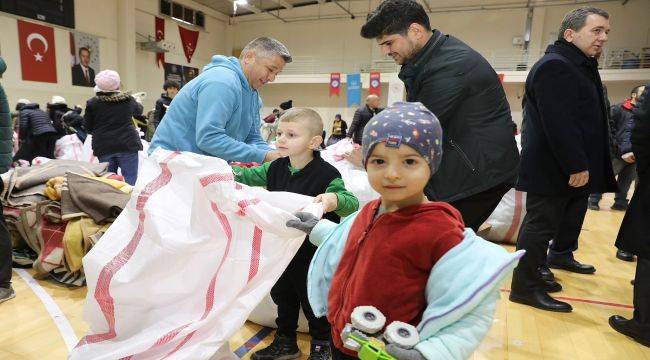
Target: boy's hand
x=330, y=201
x=305, y=222
x=403, y=354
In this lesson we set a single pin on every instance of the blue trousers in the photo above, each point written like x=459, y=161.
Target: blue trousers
x=127, y=162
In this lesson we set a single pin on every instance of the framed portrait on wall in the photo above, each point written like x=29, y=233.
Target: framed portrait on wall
x=84, y=58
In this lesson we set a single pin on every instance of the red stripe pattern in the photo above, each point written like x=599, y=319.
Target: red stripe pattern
x=255, y=255
x=102, y=291
x=516, y=218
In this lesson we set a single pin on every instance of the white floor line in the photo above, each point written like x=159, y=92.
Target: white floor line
x=52, y=308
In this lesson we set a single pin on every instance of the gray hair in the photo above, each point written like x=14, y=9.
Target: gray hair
x=267, y=47
x=576, y=19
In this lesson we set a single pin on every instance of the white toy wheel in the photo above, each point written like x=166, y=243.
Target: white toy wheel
x=402, y=334
x=368, y=319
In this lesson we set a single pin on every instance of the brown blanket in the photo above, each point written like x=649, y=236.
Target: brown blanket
x=83, y=196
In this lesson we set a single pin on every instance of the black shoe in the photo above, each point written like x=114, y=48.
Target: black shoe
x=629, y=328
x=541, y=300
x=320, y=350
x=282, y=348
x=619, y=207
x=545, y=273
x=552, y=286
x=573, y=266
x=624, y=255
x=593, y=206
x=632, y=281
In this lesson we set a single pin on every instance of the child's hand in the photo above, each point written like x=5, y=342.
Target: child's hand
x=330, y=201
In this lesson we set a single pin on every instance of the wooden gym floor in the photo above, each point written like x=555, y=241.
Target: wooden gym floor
x=28, y=331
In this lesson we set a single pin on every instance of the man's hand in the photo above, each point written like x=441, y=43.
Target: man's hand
x=305, y=222
x=403, y=354
x=355, y=157
x=579, y=179
x=330, y=201
x=272, y=155
x=629, y=158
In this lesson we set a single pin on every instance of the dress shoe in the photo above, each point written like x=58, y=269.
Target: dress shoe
x=631, y=329
x=573, y=266
x=619, y=207
x=624, y=255
x=552, y=286
x=632, y=281
x=541, y=300
x=593, y=206
x=545, y=273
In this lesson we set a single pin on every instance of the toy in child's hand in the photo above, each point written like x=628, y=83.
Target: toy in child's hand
x=366, y=323
x=306, y=221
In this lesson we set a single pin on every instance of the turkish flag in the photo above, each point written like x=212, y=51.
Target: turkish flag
x=335, y=84
x=37, y=52
x=189, y=38
x=160, y=35
x=375, y=83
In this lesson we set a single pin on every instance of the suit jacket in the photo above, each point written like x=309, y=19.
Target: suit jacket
x=565, y=128
x=78, y=76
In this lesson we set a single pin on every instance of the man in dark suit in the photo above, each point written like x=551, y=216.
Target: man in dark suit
x=362, y=116
x=82, y=73
x=634, y=235
x=565, y=155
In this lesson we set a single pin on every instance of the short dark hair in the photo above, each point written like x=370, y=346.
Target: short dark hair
x=576, y=19
x=338, y=116
x=171, y=84
x=636, y=89
x=83, y=49
x=394, y=17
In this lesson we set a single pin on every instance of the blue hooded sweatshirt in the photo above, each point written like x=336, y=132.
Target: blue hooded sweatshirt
x=215, y=114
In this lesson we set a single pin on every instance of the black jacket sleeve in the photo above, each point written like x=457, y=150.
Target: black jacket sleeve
x=556, y=93
x=23, y=125
x=89, y=118
x=355, y=123
x=640, y=137
x=158, y=112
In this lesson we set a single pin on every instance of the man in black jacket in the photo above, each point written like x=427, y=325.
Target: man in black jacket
x=171, y=89
x=36, y=133
x=480, y=157
x=565, y=154
x=634, y=235
x=362, y=116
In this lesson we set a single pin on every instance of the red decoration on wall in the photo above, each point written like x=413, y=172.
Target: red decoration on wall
x=189, y=38
x=335, y=84
x=37, y=52
x=160, y=35
x=375, y=83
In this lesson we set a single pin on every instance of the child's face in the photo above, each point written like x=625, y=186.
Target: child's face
x=398, y=174
x=295, y=138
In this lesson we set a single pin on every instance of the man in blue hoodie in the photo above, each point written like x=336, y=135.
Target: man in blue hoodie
x=217, y=113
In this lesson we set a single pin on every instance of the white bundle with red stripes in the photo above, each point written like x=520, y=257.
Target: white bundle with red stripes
x=185, y=263
x=69, y=147
x=506, y=219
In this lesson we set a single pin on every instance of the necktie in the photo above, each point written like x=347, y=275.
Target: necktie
x=86, y=76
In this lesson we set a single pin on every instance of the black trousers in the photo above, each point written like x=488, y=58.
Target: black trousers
x=642, y=294
x=5, y=250
x=478, y=207
x=290, y=293
x=547, y=217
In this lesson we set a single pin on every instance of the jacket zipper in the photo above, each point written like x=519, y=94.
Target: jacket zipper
x=462, y=155
x=361, y=238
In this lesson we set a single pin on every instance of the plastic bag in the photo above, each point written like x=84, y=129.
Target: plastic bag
x=355, y=178
x=69, y=147
x=185, y=263
x=506, y=219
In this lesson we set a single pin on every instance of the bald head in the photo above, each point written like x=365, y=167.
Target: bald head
x=372, y=101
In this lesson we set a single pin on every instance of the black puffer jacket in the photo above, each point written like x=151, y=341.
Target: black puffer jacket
x=109, y=118
x=461, y=88
x=56, y=112
x=6, y=130
x=34, y=122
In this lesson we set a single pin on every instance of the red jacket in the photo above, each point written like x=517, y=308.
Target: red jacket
x=386, y=263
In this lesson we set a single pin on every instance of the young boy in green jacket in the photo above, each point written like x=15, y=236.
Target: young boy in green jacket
x=301, y=170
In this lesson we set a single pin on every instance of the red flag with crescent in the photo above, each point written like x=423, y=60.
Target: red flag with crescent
x=335, y=84
x=160, y=35
x=189, y=38
x=375, y=83
x=37, y=54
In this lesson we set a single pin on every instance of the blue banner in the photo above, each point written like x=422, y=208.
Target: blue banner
x=354, y=89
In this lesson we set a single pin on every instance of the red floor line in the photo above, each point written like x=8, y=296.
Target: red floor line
x=587, y=301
